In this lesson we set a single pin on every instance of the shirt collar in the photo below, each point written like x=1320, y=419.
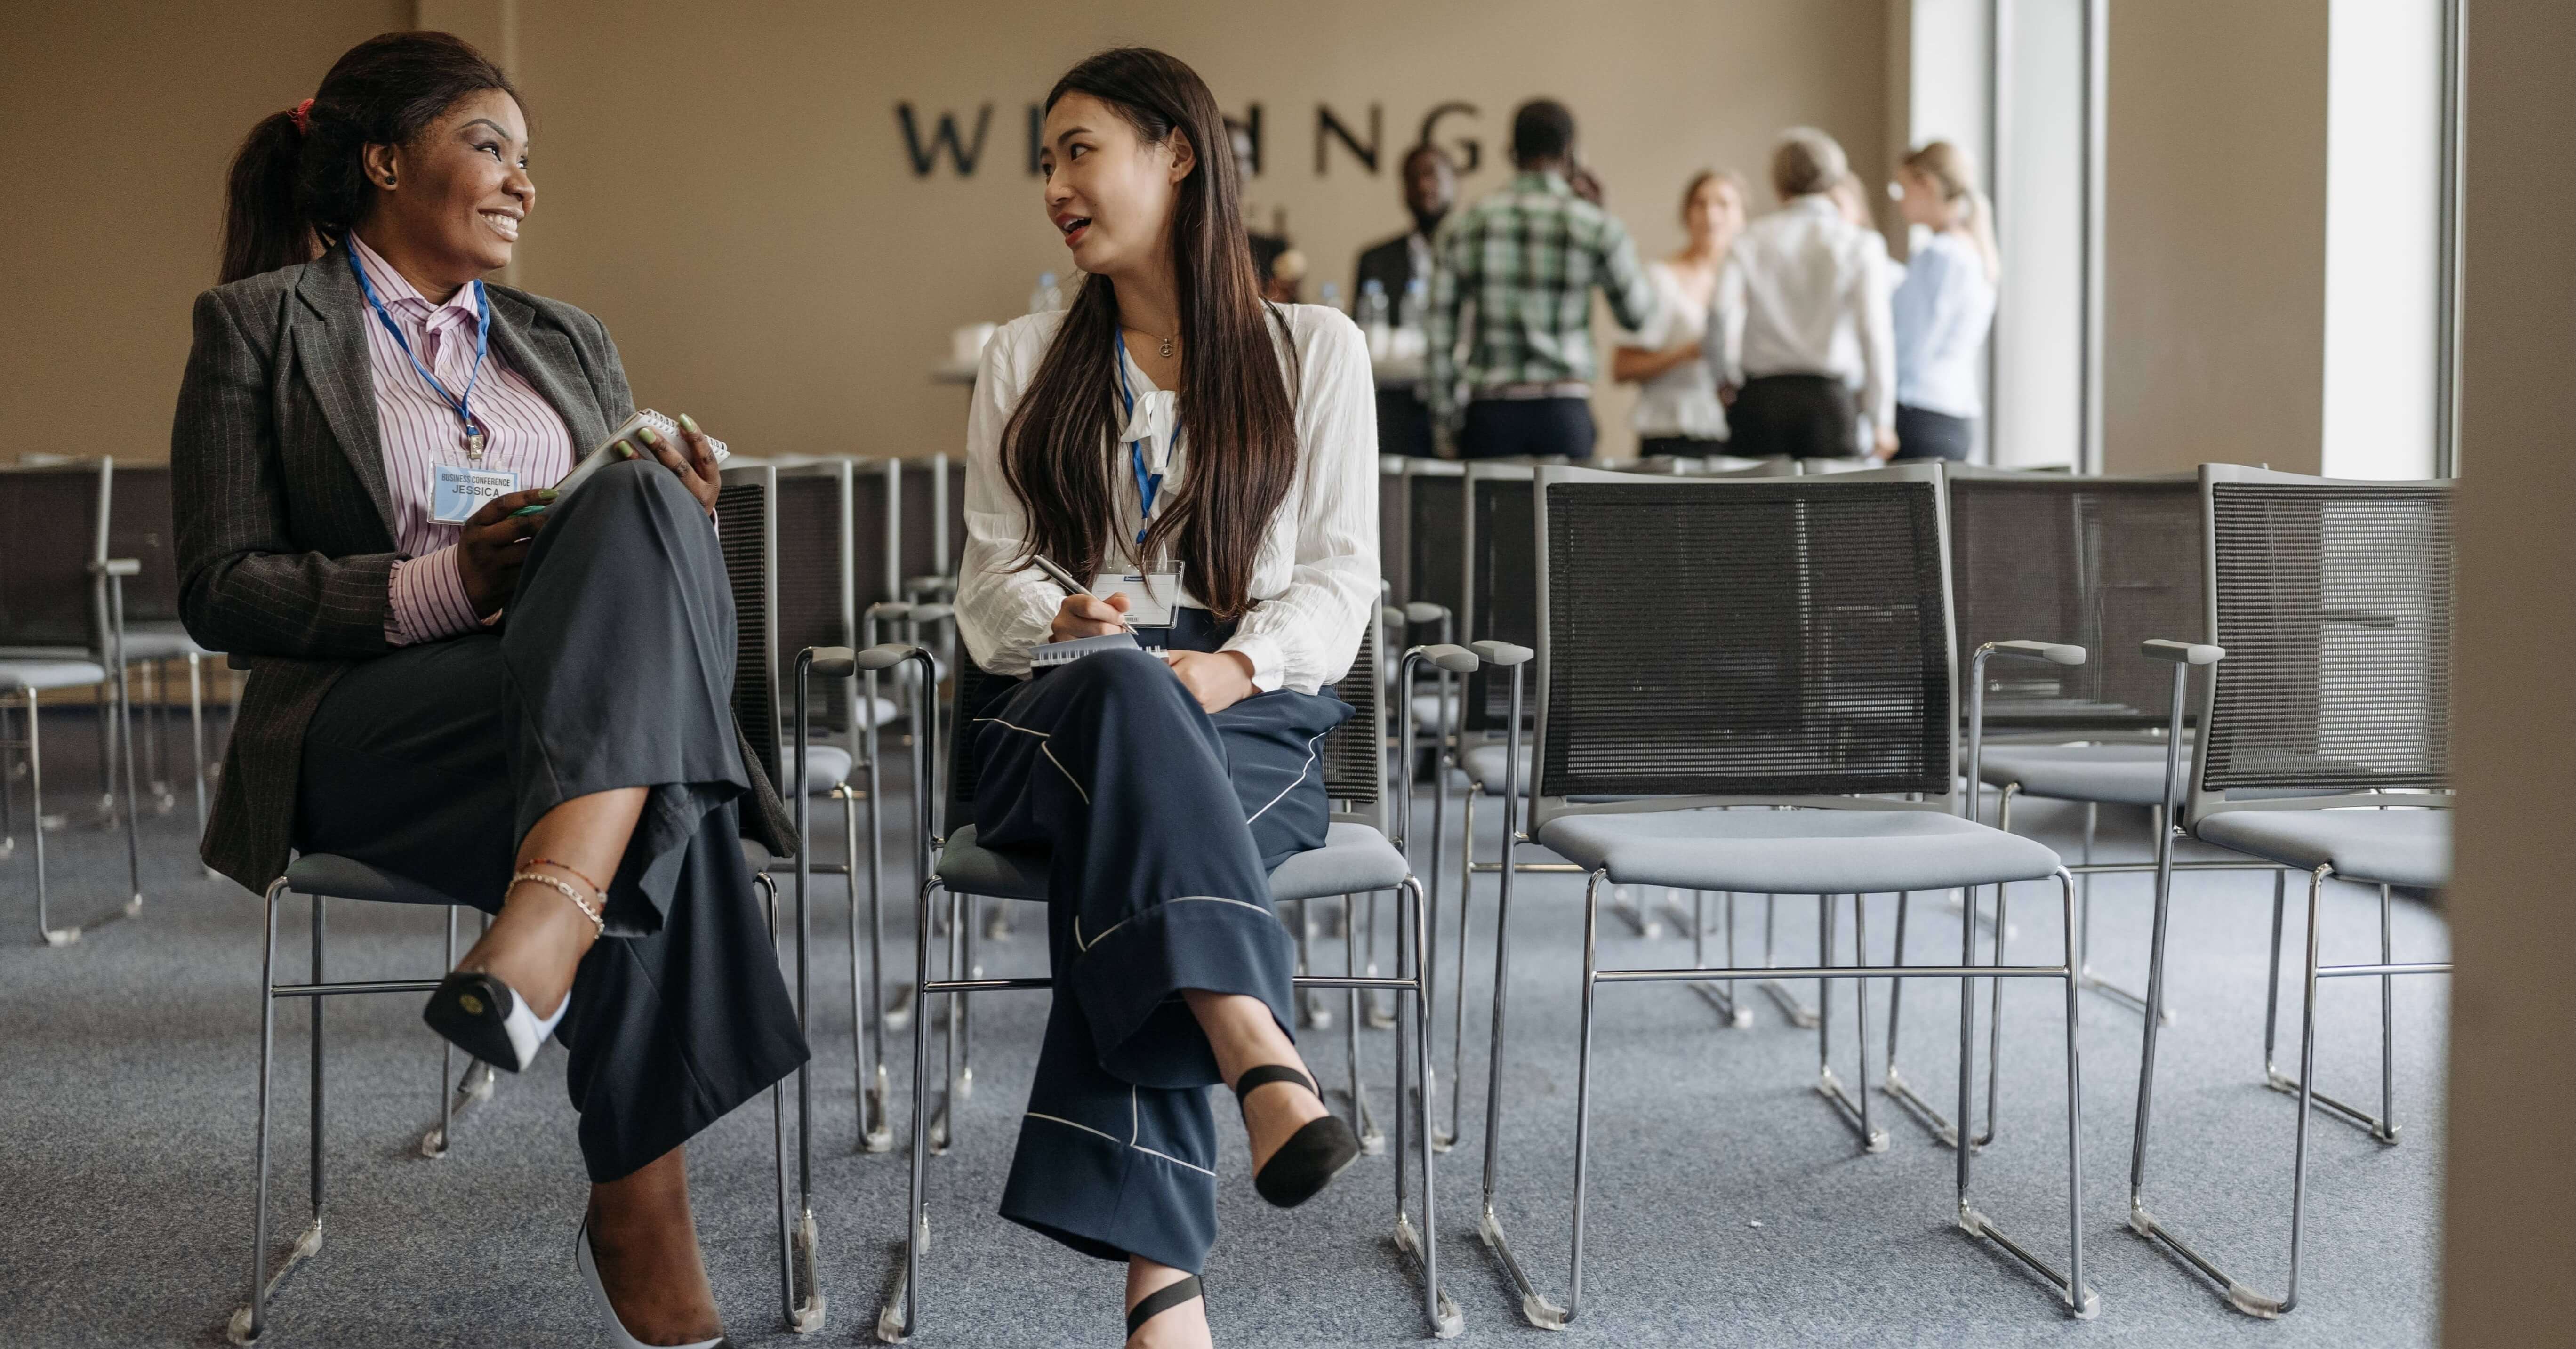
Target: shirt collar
x=398, y=293
x=1550, y=182
x=1815, y=203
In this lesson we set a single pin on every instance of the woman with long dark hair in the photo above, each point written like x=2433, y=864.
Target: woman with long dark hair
x=1208, y=457
x=508, y=699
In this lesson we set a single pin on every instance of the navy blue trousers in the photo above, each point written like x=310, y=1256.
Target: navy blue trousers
x=1160, y=823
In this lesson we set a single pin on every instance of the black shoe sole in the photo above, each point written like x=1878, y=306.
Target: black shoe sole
x=1309, y=1161
x=471, y=1010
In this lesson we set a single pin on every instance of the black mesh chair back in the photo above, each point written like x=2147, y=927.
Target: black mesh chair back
x=876, y=516
x=2333, y=601
x=139, y=526
x=933, y=527
x=1752, y=638
x=55, y=521
x=1394, y=556
x=1502, y=583
x=817, y=596
x=1435, y=541
x=747, y=526
x=2102, y=563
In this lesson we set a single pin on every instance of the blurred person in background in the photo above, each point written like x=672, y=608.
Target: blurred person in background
x=1801, y=317
x=1430, y=190
x=1526, y=259
x=1945, y=306
x=1677, y=408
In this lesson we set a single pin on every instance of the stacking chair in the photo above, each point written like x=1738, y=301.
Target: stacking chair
x=1357, y=858
x=1783, y=647
x=62, y=616
x=747, y=524
x=2324, y=746
x=139, y=527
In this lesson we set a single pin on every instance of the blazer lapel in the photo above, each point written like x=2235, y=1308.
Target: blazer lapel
x=332, y=349
x=543, y=355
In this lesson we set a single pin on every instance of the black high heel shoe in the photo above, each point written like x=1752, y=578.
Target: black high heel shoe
x=1161, y=1300
x=1312, y=1156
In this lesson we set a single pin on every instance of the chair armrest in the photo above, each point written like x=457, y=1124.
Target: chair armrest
x=1424, y=611
x=2055, y=653
x=2182, y=653
x=1502, y=654
x=117, y=566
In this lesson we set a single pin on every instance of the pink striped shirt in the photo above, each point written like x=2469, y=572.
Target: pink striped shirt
x=521, y=432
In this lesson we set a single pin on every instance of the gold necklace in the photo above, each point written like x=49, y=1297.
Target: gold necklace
x=1165, y=342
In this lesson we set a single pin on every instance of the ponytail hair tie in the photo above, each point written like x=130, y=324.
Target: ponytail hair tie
x=303, y=115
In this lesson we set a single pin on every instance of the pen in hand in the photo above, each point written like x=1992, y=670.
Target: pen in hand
x=1064, y=581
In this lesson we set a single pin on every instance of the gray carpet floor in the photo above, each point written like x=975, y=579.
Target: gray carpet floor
x=1728, y=1203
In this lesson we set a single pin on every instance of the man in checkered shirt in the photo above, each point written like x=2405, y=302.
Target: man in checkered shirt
x=1515, y=273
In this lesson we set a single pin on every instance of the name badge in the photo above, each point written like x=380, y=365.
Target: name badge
x=1151, y=596
x=456, y=491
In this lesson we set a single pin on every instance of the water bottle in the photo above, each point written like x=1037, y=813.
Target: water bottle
x=1408, y=340
x=1332, y=294
x=1373, y=318
x=1046, y=299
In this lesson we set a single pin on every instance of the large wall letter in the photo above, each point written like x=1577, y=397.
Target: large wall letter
x=1247, y=139
x=1466, y=151
x=924, y=158
x=1326, y=124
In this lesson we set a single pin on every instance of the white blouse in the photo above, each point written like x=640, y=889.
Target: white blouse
x=1314, y=581
x=1682, y=401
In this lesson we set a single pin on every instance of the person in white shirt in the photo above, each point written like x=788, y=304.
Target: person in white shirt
x=1211, y=458
x=1677, y=409
x=1802, y=315
x=1945, y=306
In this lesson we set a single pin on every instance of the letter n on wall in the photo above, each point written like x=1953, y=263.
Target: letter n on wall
x=1329, y=128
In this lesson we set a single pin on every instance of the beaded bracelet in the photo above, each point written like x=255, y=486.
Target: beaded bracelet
x=592, y=912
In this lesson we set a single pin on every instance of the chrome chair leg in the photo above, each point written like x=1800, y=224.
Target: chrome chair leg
x=1717, y=995
x=893, y=1328
x=1798, y=1013
x=250, y=1320
x=1413, y=953
x=1458, y=1012
x=197, y=734
x=1855, y=1114
x=867, y=998
x=2091, y=978
x=2382, y=1126
x=1363, y=1120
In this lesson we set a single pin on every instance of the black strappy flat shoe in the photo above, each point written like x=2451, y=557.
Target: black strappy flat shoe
x=1161, y=1300
x=1312, y=1156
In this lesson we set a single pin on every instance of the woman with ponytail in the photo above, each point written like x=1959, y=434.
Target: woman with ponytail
x=1944, y=306
x=1209, y=457
x=490, y=695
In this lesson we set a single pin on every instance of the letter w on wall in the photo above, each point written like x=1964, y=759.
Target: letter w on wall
x=963, y=153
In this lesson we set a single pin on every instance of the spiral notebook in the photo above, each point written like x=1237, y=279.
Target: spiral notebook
x=1049, y=655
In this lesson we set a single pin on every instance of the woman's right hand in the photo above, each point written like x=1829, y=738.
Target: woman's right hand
x=1087, y=616
x=494, y=546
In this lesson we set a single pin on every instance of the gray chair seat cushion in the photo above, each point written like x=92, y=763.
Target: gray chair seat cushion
x=18, y=675
x=2117, y=775
x=337, y=877
x=160, y=641
x=1354, y=859
x=1796, y=852
x=1484, y=765
x=1426, y=712
x=826, y=766
x=2388, y=847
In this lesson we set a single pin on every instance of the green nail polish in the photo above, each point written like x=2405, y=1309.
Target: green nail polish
x=646, y=435
x=626, y=449
x=687, y=421
x=546, y=494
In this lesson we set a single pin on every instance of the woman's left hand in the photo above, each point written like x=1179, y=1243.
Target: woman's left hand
x=1218, y=679
x=693, y=458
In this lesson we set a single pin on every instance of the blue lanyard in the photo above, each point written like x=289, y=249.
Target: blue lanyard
x=462, y=406
x=1147, y=484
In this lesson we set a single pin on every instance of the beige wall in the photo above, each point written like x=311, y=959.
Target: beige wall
x=122, y=116
x=727, y=186
x=767, y=260
x=2215, y=230
x=2510, y=1209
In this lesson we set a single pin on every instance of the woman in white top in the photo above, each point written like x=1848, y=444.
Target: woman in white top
x=1946, y=304
x=1802, y=314
x=1677, y=409
x=1211, y=459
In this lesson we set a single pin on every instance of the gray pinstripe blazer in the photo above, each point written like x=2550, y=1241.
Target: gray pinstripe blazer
x=285, y=525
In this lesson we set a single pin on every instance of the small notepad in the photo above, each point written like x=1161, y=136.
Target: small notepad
x=1049, y=655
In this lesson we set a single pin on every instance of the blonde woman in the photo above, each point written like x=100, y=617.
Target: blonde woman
x=1945, y=305
x=1677, y=407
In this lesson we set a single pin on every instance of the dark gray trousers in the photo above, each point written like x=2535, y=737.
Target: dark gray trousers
x=613, y=669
